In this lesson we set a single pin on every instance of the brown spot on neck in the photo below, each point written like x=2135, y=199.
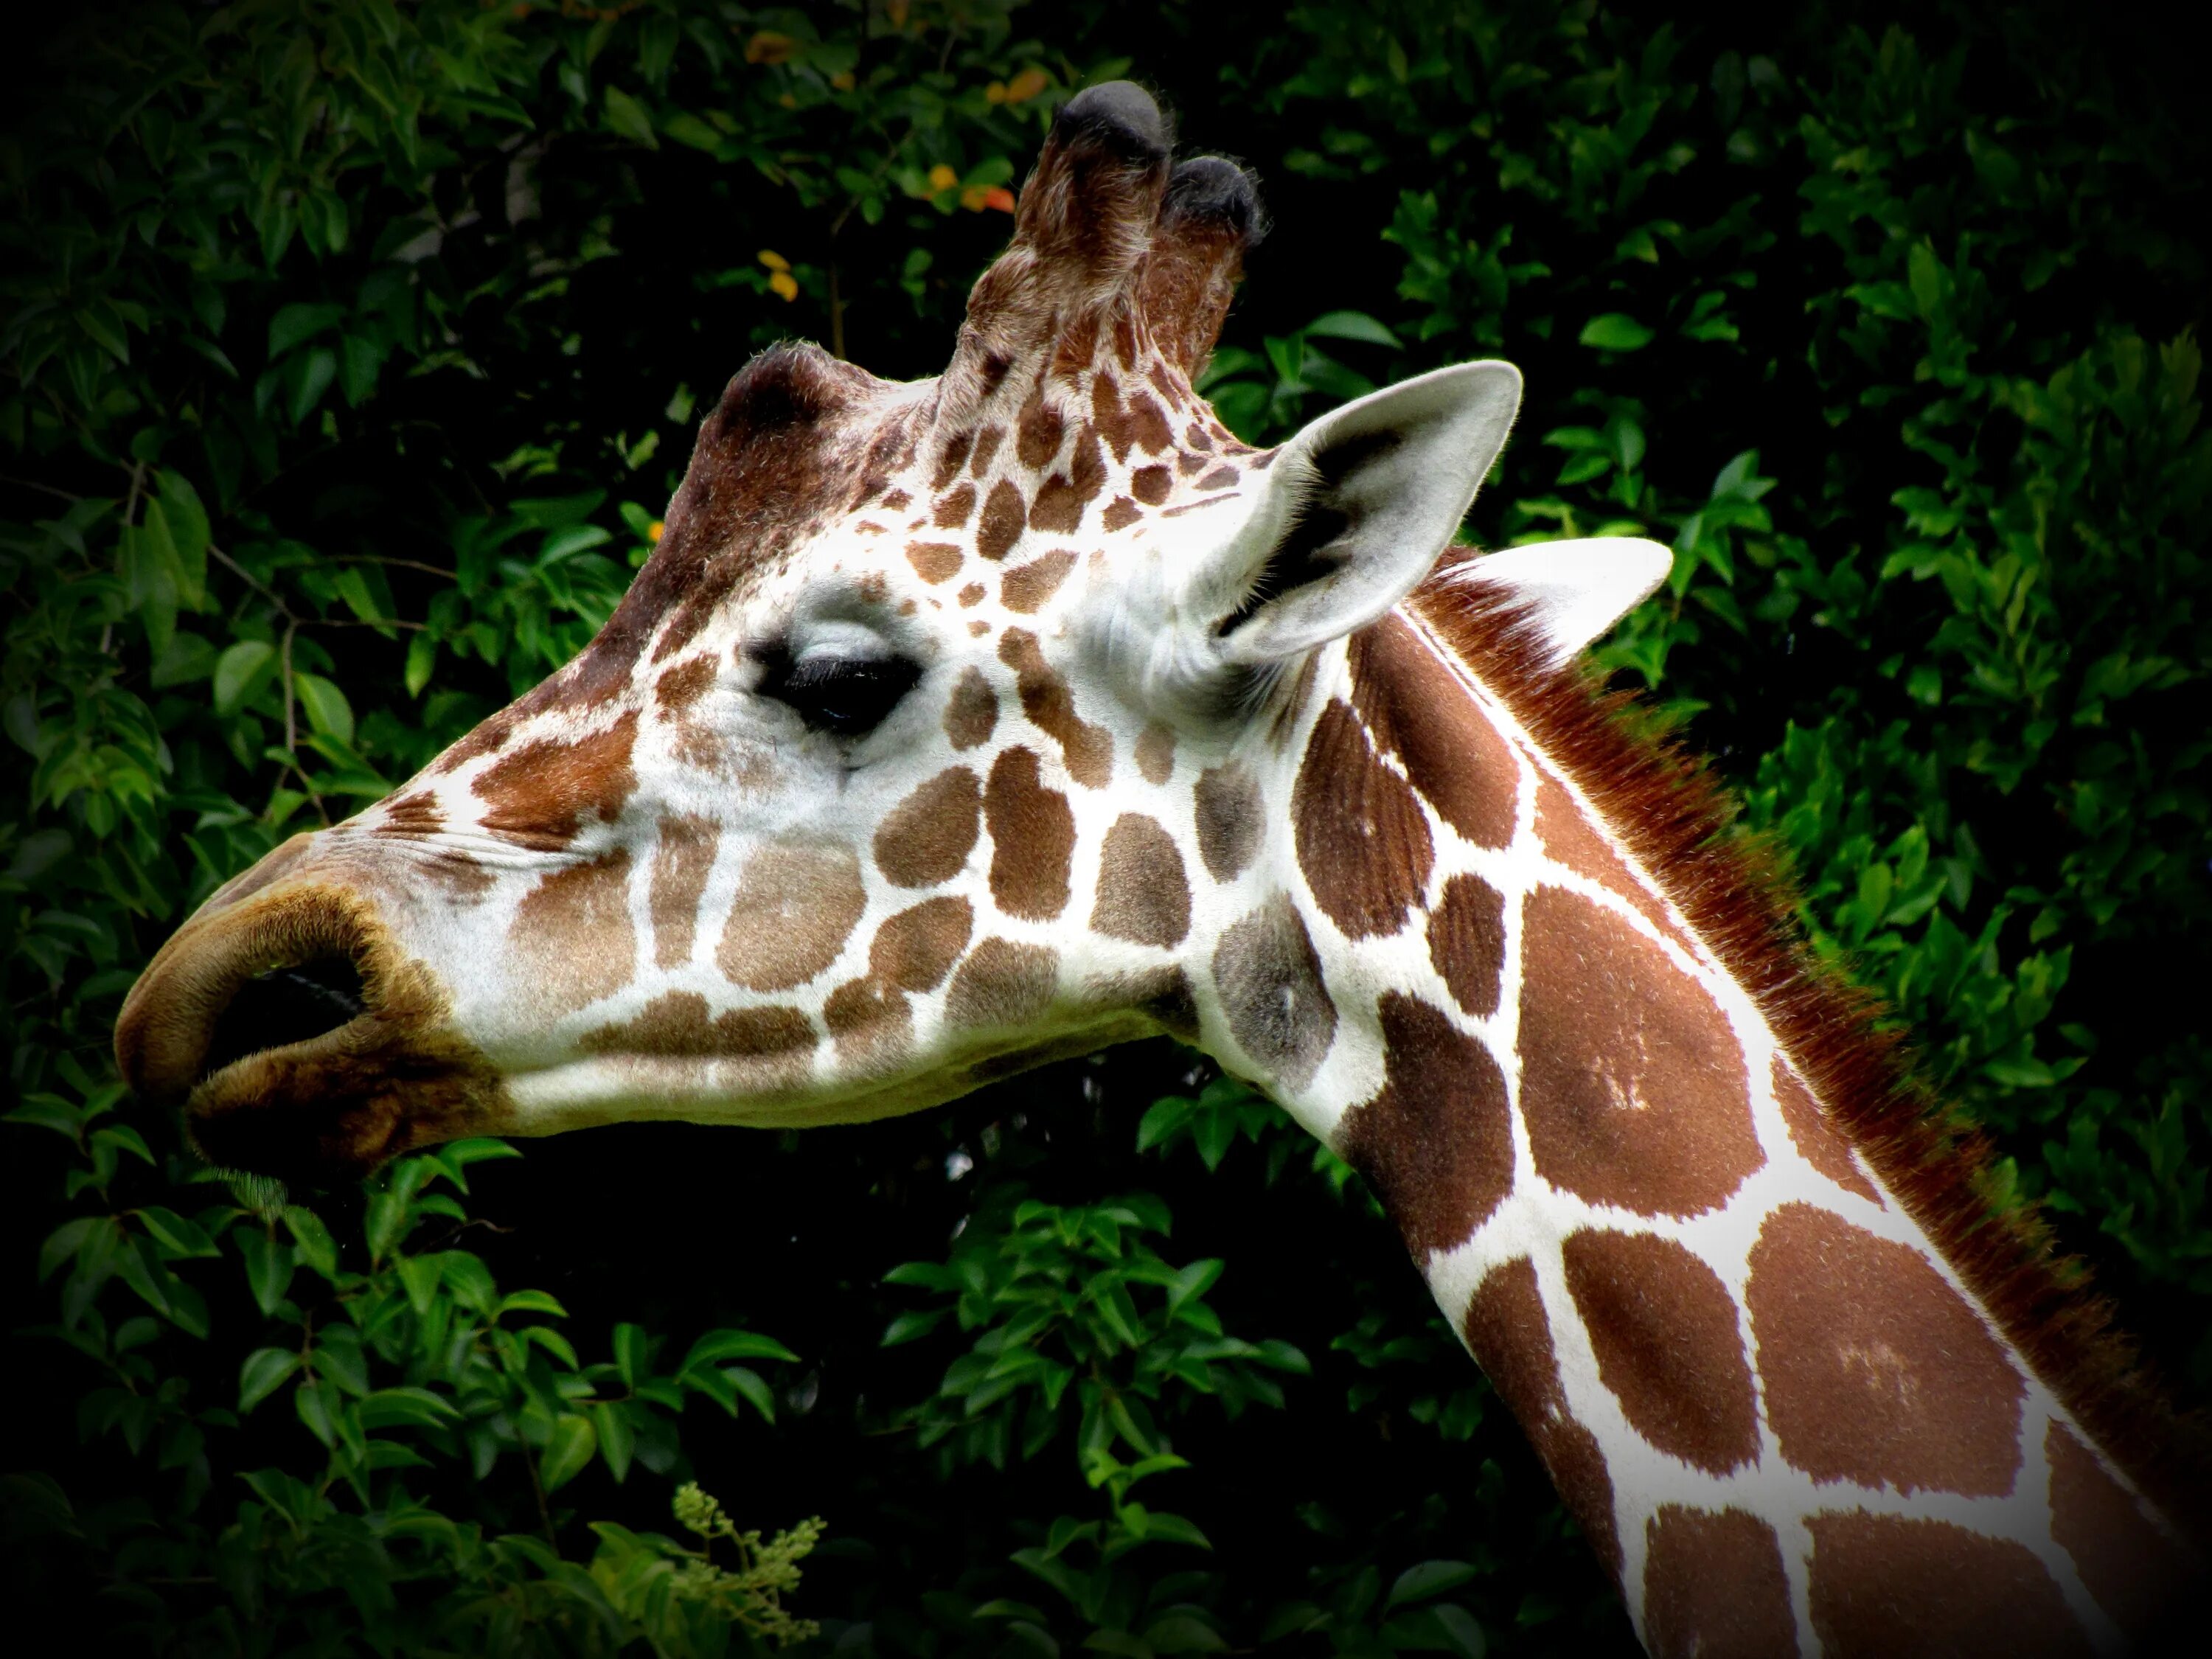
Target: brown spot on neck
x=1569, y=836
x=1632, y=1083
x=1664, y=1330
x=1875, y=1370
x=1816, y=1140
x=1058, y=509
x=1886, y=1585
x=871, y=1023
x=1510, y=1338
x=1466, y=942
x=675, y=1026
x=1437, y=1141
x=1363, y=840
x=1714, y=1586
x=542, y=793
x=1419, y=711
x=2139, y=1575
x=1037, y=435
x=953, y=508
x=416, y=815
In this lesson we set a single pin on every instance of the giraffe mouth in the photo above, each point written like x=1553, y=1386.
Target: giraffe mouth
x=299, y=1042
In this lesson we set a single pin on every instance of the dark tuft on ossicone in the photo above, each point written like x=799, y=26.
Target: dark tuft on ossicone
x=1119, y=116
x=1213, y=190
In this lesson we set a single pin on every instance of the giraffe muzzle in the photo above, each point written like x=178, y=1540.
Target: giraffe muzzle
x=298, y=1041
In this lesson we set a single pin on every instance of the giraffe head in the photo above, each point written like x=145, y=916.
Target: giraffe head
x=942, y=735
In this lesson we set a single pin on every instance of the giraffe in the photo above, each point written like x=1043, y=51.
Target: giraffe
x=957, y=727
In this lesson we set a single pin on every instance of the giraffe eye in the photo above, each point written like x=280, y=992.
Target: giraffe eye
x=844, y=696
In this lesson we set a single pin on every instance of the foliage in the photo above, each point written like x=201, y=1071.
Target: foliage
x=351, y=349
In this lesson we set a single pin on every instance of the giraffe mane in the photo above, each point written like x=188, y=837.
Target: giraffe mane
x=1733, y=886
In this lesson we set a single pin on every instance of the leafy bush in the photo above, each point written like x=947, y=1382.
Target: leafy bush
x=352, y=349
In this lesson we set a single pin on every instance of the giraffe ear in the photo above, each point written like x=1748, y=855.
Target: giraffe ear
x=1356, y=509
x=1573, y=591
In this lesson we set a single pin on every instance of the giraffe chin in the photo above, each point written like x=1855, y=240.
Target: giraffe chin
x=329, y=1111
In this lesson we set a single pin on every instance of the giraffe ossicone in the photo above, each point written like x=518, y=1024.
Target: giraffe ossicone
x=961, y=726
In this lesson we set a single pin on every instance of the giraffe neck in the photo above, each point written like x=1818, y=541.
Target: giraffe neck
x=1786, y=1418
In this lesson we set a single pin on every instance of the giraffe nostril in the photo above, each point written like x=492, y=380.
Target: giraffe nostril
x=285, y=1005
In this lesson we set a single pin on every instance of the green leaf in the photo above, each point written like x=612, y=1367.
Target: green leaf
x=317, y=1248
x=263, y=1374
x=1615, y=331
x=328, y=711
x=293, y=323
x=530, y=1302
x=626, y=116
x=240, y=672
x=1353, y=326
x=175, y=1235
x=1183, y=1632
x=617, y=1438
x=633, y=1353
x=568, y=1452
x=910, y=1327
x=1430, y=1578
x=421, y=661
x=718, y=1345
x=187, y=524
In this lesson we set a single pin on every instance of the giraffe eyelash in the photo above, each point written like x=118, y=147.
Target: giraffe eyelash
x=844, y=696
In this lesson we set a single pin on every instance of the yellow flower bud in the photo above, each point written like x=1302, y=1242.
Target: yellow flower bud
x=784, y=283
x=773, y=260
x=942, y=177
x=655, y=531
x=1026, y=85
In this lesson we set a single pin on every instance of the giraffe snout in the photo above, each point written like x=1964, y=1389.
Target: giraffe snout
x=299, y=1040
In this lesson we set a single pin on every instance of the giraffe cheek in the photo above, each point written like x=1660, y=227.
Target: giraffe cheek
x=871, y=1024
x=793, y=910
x=1272, y=995
x=574, y=928
x=926, y=837
x=1032, y=838
x=1143, y=894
